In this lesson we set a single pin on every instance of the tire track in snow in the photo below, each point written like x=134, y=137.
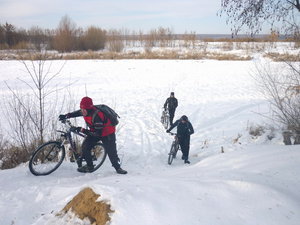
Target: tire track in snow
x=226, y=116
x=148, y=138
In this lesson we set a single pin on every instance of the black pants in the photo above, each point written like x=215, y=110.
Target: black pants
x=109, y=143
x=171, y=113
x=184, y=143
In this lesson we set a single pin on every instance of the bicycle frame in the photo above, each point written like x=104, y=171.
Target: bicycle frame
x=175, y=138
x=50, y=155
x=68, y=135
x=68, y=139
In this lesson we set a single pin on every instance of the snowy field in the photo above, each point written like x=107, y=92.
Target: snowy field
x=254, y=182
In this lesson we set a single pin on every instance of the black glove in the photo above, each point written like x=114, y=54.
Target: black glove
x=62, y=117
x=75, y=129
x=167, y=131
x=85, y=131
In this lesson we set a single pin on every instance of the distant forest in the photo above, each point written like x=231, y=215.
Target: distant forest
x=67, y=37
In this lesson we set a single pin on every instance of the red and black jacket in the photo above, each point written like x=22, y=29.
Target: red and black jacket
x=99, y=125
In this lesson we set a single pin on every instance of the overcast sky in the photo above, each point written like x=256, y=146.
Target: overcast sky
x=198, y=16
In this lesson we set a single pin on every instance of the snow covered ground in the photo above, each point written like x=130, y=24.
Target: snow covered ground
x=255, y=181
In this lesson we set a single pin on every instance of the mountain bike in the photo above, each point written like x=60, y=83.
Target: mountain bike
x=174, y=149
x=49, y=156
x=165, y=118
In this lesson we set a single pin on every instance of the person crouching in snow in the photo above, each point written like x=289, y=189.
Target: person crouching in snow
x=184, y=131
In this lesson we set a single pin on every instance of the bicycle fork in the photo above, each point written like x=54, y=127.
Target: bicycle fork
x=78, y=159
x=76, y=155
x=73, y=150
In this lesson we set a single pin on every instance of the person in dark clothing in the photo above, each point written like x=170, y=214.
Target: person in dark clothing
x=171, y=103
x=184, y=131
x=100, y=128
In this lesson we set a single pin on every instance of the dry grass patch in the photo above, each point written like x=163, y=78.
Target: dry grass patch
x=164, y=54
x=229, y=57
x=85, y=205
x=277, y=57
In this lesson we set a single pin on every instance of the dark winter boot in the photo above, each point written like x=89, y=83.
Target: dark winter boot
x=79, y=162
x=86, y=169
x=121, y=171
x=187, y=161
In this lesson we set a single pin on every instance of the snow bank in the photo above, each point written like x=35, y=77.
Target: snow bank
x=254, y=182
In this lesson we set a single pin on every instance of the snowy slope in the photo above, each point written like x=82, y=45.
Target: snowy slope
x=256, y=181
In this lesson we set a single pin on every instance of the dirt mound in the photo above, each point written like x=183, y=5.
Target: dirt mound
x=84, y=205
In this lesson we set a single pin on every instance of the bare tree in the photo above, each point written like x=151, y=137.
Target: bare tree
x=281, y=86
x=37, y=37
x=125, y=36
x=254, y=14
x=141, y=38
x=3, y=43
x=18, y=120
x=29, y=110
x=151, y=39
x=281, y=89
x=114, y=40
x=164, y=36
x=94, y=38
x=189, y=39
x=65, y=38
x=9, y=34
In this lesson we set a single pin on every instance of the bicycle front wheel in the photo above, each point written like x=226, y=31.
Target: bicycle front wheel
x=176, y=149
x=47, y=158
x=98, y=155
x=171, y=154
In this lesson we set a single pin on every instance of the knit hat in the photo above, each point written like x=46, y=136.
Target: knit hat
x=184, y=118
x=86, y=103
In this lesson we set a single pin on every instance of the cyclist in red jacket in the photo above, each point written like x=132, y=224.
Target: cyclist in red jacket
x=100, y=128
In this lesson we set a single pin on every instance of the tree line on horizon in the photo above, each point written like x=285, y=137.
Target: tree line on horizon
x=68, y=37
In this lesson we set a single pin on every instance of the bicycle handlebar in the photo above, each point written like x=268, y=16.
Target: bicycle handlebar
x=69, y=126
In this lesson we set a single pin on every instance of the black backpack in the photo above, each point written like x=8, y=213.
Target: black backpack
x=109, y=113
x=172, y=103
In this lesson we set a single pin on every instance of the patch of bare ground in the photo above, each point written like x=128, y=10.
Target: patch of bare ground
x=85, y=205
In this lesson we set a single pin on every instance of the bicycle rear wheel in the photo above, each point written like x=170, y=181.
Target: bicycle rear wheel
x=171, y=154
x=166, y=121
x=98, y=155
x=47, y=158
